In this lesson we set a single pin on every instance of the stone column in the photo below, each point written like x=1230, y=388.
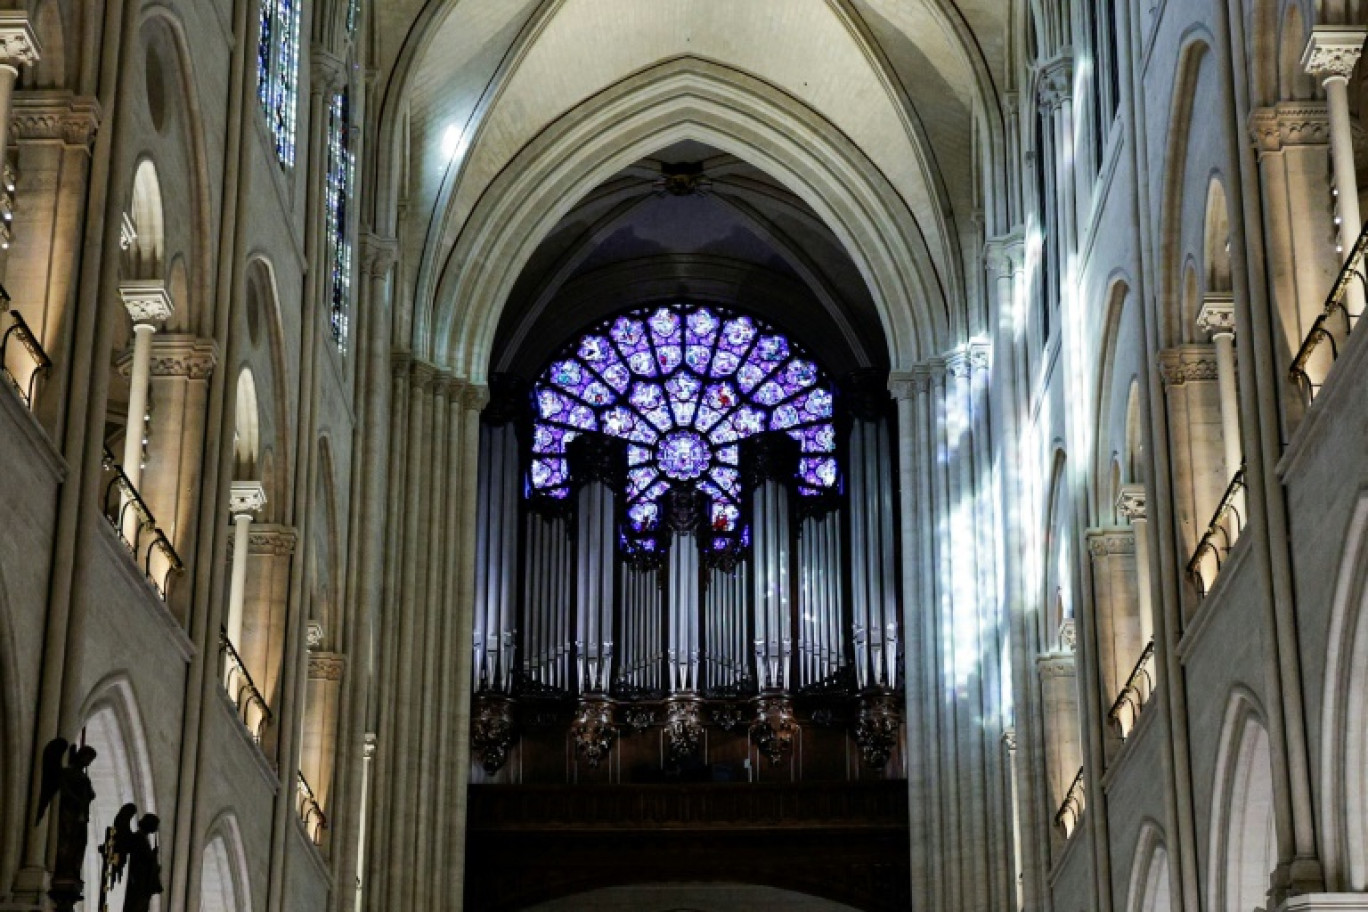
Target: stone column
x=1131, y=504
x=1331, y=54
x=245, y=498
x=1217, y=318
x=18, y=47
x=148, y=303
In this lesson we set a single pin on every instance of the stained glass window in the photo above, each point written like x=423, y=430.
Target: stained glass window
x=683, y=386
x=341, y=170
x=278, y=72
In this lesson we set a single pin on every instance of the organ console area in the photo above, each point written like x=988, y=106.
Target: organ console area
x=686, y=563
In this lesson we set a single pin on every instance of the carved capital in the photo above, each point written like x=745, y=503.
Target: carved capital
x=18, y=43
x=1333, y=51
x=1131, y=502
x=422, y=375
x=1290, y=123
x=909, y=384
x=1217, y=315
x=378, y=255
x=980, y=355
x=246, y=497
x=181, y=355
x=1056, y=665
x=1055, y=85
x=1005, y=254
x=957, y=364
x=313, y=634
x=1009, y=739
x=147, y=300
x=1187, y=364
x=476, y=397
x=368, y=748
x=327, y=71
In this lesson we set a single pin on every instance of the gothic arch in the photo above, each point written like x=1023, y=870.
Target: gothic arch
x=684, y=99
x=1151, y=884
x=122, y=772
x=1216, y=239
x=225, y=885
x=1110, y=396
x=1243, y=844
x=261, y=345
x=1344, y=720
x=1294, y=83
x=146, y=256
x=1057, y=595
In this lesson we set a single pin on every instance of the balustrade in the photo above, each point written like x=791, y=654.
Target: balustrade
x=242, y=690
x=137, y=528
x=1221, y=534
x=24, y=371
x=310, y=812
x=1071, y=809
x=1331, y=330
x=1133, y=697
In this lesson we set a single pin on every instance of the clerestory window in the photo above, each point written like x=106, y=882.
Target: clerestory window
x=340, y=176
x=278, y=72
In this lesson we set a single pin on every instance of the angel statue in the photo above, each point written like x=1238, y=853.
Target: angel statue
x=114, y=851
x=144, y=865
x=70, y=784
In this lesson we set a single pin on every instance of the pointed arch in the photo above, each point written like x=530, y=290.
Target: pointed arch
x=1151, y=884
x=1243, y=847
x=225, y=885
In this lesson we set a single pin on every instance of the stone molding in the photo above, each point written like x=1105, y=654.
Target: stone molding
x=18, y=43
x=147, y=300
x=476, y=397
x=246, y=497
x=274, y=541
x=326, y=666
x=1333, y=51
x=1290, y=123
x=72, y=119
x=181, y=355
x=909, y=384
x=1217, y=315
x=327, y=71
x=1131, y=502
x=1104, y=543
x=1005, y=255
x=1187, y=364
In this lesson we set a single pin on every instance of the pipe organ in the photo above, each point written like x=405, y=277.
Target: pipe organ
x=688, y=559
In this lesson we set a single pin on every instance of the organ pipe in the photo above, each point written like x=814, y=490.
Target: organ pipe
x=496, y=558
x=874, y=609
x=640, y=661
x=594, y=588
x=773, y=640
x=683, y=586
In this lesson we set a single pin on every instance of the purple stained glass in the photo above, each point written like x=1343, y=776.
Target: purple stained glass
x=683, y=455
x=683, y=385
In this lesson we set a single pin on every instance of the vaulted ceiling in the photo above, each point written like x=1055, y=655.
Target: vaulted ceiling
x=467, y=86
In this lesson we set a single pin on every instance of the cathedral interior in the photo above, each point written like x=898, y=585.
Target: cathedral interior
x=705, y=456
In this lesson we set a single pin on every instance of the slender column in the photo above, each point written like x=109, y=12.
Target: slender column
x=1131, y=504
x=1217, y=317
x=148, y=303
x=1331, y=54
x=18, y=47
x=244, y=499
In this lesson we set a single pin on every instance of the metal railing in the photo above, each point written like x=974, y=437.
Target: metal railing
x=1133, y=697
x=24, y=376
x=137, y=527
x=1071, y=809
x=1331, y=330
x=242, y=690
x=1221, y=534
x=315, y=821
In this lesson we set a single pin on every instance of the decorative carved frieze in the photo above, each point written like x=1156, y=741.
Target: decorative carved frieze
x=183, y=355
x=1056, y=665
x=1217, y=314
x=1107, y=542
x=1295, y=123
x=876, y=728
x=55, y=116
x=326, y=666
x=147, y=300
x=1187, y=364
x=683, y=728
x=593, y=731
x=1333, y=51
x=275, y=541
x=493, y=730
x=773, y=730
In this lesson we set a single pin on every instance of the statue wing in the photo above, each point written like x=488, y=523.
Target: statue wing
x=124, y=838
x=52, y=775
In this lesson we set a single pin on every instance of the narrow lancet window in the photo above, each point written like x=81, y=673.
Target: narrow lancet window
x=278, y=73
x=341, y=171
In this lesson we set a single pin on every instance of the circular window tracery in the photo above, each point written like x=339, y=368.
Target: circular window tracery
x=683, y=385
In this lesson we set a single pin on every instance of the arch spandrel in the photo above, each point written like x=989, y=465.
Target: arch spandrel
x=685, y=99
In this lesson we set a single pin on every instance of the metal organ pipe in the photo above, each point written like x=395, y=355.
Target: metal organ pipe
x=594, y=588
x=773, y=644
x=683, y=608
x=495, y=558
x=874, y=601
